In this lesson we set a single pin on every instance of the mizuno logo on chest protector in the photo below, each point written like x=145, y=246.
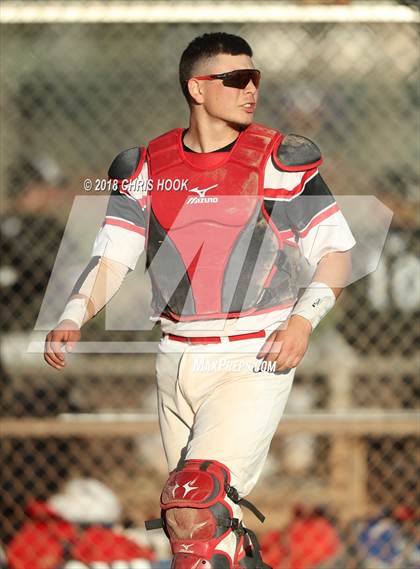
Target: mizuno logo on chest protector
x=202, y=195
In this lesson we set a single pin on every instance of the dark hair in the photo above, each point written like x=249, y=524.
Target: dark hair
x=204, y=47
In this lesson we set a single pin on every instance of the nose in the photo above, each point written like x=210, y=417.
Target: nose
x=250, y=88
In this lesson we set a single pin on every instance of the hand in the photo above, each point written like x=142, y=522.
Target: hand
x=67, y=334
x=287, y=347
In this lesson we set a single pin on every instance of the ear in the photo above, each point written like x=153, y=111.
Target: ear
x=195, y=91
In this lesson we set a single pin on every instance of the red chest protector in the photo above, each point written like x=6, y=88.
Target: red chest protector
x=212, y=251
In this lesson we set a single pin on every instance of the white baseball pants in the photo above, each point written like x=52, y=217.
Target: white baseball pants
x=213, y=403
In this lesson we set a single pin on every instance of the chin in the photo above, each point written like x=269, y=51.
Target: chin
x=241, y=122
x=249, y=119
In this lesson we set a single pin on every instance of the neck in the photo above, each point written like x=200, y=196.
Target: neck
x=206, y=134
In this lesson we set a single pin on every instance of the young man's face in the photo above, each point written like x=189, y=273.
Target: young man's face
x=230, y=104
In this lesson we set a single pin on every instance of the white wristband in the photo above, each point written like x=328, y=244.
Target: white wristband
x=315, y=303
x=75, y=310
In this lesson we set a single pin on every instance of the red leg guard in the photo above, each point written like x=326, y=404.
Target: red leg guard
x=202, y=518
x=199, y=517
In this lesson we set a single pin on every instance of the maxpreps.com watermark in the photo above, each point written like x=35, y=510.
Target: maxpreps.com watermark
x=203, y=365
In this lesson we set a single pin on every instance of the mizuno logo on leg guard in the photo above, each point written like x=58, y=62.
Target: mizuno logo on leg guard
x=187, y=488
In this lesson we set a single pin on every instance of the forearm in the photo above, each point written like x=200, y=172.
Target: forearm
x=95, y=287
x=334, y=271
x=331, y=276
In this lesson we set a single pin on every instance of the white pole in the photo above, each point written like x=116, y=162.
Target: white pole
x=13, y=12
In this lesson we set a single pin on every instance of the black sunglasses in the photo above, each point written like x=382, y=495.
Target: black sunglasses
x=239, y=78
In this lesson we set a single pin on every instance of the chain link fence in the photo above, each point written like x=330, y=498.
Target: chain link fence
x=343, y=468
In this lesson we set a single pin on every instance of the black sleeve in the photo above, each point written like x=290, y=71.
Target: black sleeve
x=125, y=208
x=315, y=198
